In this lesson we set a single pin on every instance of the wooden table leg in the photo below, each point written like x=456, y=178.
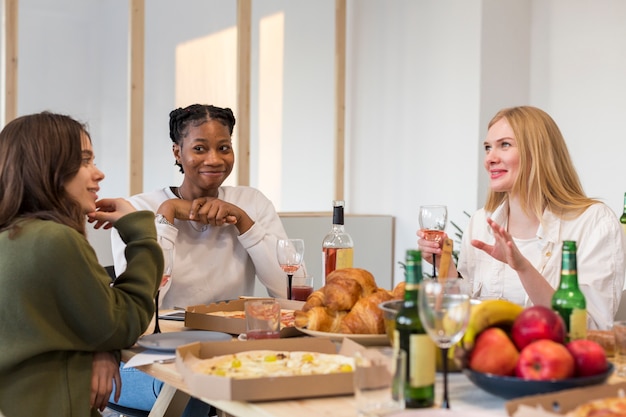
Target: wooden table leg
x=170, y=402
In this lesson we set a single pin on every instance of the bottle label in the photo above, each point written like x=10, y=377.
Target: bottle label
x=422, y=361
x=344, y=258
x=624, y=227
x=578, y=324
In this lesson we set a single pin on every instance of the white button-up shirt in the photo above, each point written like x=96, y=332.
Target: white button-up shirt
x=601, y=249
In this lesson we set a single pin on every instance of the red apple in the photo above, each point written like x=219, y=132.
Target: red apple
x=589, y=357
x=543, y=360
x=494, y=353
x=536, y=323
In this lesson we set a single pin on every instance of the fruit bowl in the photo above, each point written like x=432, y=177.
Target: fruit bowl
x=509, y=387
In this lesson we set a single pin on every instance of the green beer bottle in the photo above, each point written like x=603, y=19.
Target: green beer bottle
x=568, y=300
x=410, y=336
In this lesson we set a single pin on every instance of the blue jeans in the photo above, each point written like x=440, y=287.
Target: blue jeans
x=140, y=391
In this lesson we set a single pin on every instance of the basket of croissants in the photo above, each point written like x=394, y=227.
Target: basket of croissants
x=347, y=303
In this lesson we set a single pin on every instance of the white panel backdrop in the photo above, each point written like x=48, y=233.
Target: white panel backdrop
x=423, y=79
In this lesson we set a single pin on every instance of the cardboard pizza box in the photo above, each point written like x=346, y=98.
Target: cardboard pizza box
x=198, y=317
x=561, y=402
x=270, y=388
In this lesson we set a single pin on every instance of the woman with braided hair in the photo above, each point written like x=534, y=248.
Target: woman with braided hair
x=224, y=236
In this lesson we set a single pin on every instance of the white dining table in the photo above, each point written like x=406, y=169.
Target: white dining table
x=463, y=394
x=464, y=397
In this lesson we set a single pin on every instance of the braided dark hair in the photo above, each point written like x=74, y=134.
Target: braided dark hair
x=195, y=115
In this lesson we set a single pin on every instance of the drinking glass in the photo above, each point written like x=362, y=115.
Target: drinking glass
x=619, y=331
x=379, y=375
x=290, y=253
x=432, y=221
x=301, y=288
x=444, y=309
x=168, y=263
x=262, y=319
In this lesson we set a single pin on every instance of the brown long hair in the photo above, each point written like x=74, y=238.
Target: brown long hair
x=547, y=177
x=39, y=154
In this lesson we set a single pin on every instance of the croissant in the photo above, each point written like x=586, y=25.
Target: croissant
x=363, y=277
x=314, y=300
x=398, y=291
x=365, y=317
x=341, y=293
x=320, y=318
x=348, y=303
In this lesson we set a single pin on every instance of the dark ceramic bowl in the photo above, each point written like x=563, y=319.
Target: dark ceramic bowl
x=390, y=311
x=509, y=387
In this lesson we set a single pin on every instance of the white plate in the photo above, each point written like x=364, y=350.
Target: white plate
x=173, y=315
x=363, y=339
x=168, y=342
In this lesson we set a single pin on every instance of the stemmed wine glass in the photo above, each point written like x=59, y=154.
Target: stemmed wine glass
x=168, y=262
x=290, y=253
x=433, y=220
x=444, y=309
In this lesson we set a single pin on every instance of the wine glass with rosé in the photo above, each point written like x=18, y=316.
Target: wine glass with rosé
x=432, y=221
x=168, y=263
x=290, y=253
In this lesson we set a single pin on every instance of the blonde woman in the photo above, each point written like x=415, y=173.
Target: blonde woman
x=512, y=246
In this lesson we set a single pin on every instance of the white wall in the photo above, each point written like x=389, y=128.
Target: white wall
x=414, y=91
x=424, y=77
x=577, y=74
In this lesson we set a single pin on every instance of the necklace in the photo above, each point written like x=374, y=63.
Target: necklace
x=191, y=222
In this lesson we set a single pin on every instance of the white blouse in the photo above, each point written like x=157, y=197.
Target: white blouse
x=601, y=252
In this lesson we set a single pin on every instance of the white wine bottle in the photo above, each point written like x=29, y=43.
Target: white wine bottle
x=337, y=247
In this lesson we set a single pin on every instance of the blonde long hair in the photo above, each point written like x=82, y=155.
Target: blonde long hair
x=547, y=178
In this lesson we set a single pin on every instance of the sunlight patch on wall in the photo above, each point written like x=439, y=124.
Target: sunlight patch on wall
x=206, y=73
x=271, y=57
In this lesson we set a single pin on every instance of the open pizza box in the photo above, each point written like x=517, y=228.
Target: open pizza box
x=213, y=387
x=199, y=317
x=559, y=403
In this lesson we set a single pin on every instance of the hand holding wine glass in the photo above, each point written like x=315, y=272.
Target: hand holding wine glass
x=168, y=263
x=444, y=309
x=432, y=221
x=290, y=253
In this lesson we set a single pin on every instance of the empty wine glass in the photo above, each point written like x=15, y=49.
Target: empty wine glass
x=444, y=309
x=290, y=253
x=432, y=221
x=168, y=263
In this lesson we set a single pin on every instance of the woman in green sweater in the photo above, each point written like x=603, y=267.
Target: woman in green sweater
x=61, y=322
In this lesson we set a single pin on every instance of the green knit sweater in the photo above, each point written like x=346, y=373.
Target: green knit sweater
x=57, y=307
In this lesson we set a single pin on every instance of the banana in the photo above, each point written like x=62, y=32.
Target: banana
x=487, y=314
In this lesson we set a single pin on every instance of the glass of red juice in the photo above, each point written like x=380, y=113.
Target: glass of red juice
x=301, y=288
x=262, y=319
